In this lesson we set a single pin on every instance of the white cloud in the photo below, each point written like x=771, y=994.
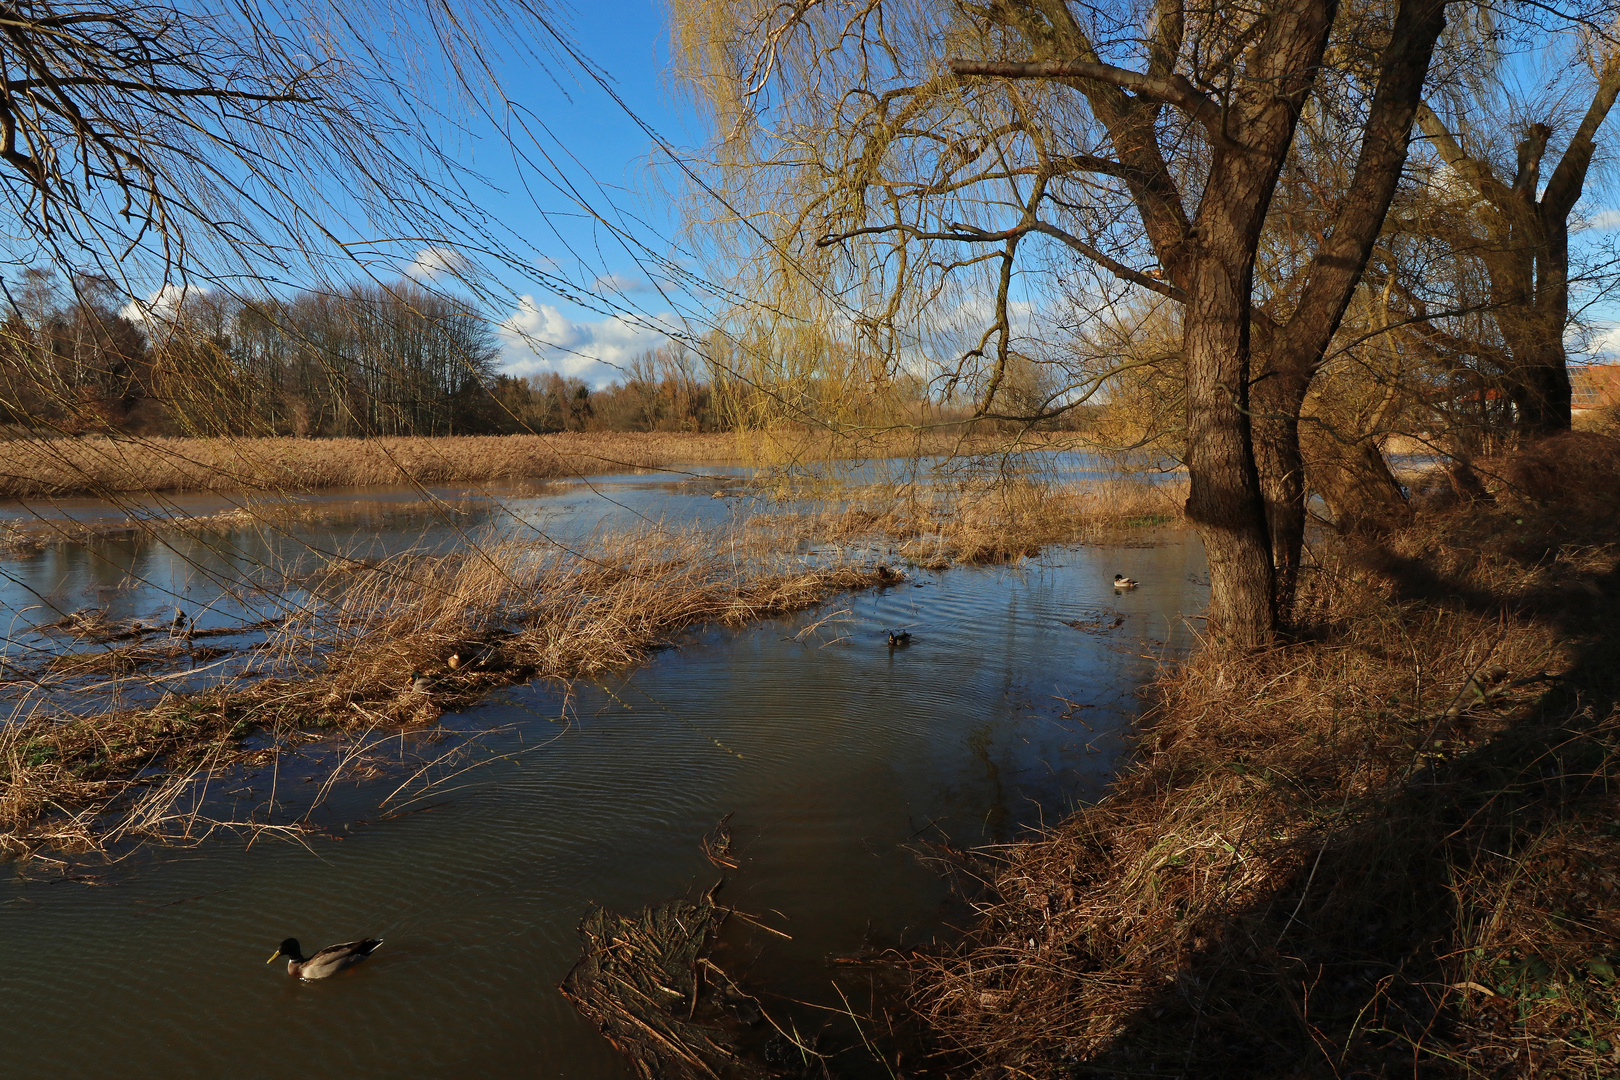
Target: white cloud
x=1605, y=220
x=537, y=338
x=432, y=263
x=159, y=306
x=1446, y=183
x=618, y=283
x=1605, y=343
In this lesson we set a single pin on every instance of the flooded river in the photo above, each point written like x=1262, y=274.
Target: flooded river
x=836, y=755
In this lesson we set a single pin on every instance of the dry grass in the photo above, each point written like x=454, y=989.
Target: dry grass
x=649, y=983
x=102, y=466
x=1389, y=849
x=1604, y=421
x=511, y=611
x=998, y=522
x=96, y=465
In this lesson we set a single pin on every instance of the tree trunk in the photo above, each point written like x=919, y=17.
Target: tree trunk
x=1293, y=352
x=1544, y=376
x=1278, y=397
x=1543, y=394
x=1354, y=480
x=1225, y=504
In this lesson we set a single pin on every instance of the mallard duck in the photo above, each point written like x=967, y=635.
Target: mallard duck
x=420, y=683
x=179, y=620
x=1123, y=582
x=901, y=638
x=329, y=961
x=454, y=661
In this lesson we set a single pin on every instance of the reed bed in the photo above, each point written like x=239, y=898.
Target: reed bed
x=101, y=466
x=343, y=665
x=1001, y=521
x=1388, y=848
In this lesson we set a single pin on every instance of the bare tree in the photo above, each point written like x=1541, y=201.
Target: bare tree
x=248, y=146
x=243, y=136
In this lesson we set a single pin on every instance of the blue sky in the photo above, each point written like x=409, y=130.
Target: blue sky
x=590, y=238
x=628, y=39
x=595, y=146
x=590, y=241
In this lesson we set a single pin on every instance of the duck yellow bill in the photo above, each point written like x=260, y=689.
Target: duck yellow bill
x=276, y=956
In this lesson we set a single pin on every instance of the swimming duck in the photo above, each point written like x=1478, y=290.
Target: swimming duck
x=1123, y=582
x=329, y=961
x=902, y=638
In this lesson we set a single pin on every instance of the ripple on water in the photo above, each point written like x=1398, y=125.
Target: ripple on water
x=833, y=751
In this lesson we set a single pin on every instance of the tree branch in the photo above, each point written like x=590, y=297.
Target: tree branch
x=1474, y=172
x=1172, y=89
x=1568, y=178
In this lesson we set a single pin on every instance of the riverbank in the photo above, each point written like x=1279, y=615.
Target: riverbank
x=1388, y=847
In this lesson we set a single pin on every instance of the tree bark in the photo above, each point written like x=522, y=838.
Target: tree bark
x=1277, y=397
x=1295, y=351
x=1353, y=478
x=1225, y=503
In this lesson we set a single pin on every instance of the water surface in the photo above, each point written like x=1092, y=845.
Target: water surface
x=837, y=756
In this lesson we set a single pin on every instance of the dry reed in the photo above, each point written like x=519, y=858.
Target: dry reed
x=650, y=985
x=103, y=466
x=97, y=465
x=996, y=522
x=508, y=610
x=1386, y=849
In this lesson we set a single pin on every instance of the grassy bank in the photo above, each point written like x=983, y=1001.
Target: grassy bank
x=1390, y=848
x=509, y=611
x=32, y=468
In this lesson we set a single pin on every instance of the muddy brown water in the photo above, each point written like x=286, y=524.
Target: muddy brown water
x=836, y=755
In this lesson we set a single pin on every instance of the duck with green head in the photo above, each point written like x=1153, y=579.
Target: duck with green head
x=329, y=961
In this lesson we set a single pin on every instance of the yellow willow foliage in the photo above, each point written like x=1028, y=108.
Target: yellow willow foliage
x=857, y=194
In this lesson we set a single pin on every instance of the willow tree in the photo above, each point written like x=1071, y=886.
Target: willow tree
x=888, y=158
x=1492, y=208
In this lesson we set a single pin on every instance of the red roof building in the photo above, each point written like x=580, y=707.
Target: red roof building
x=1594, y=386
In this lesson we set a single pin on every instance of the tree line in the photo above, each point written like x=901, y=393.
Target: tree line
x=76, y=357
